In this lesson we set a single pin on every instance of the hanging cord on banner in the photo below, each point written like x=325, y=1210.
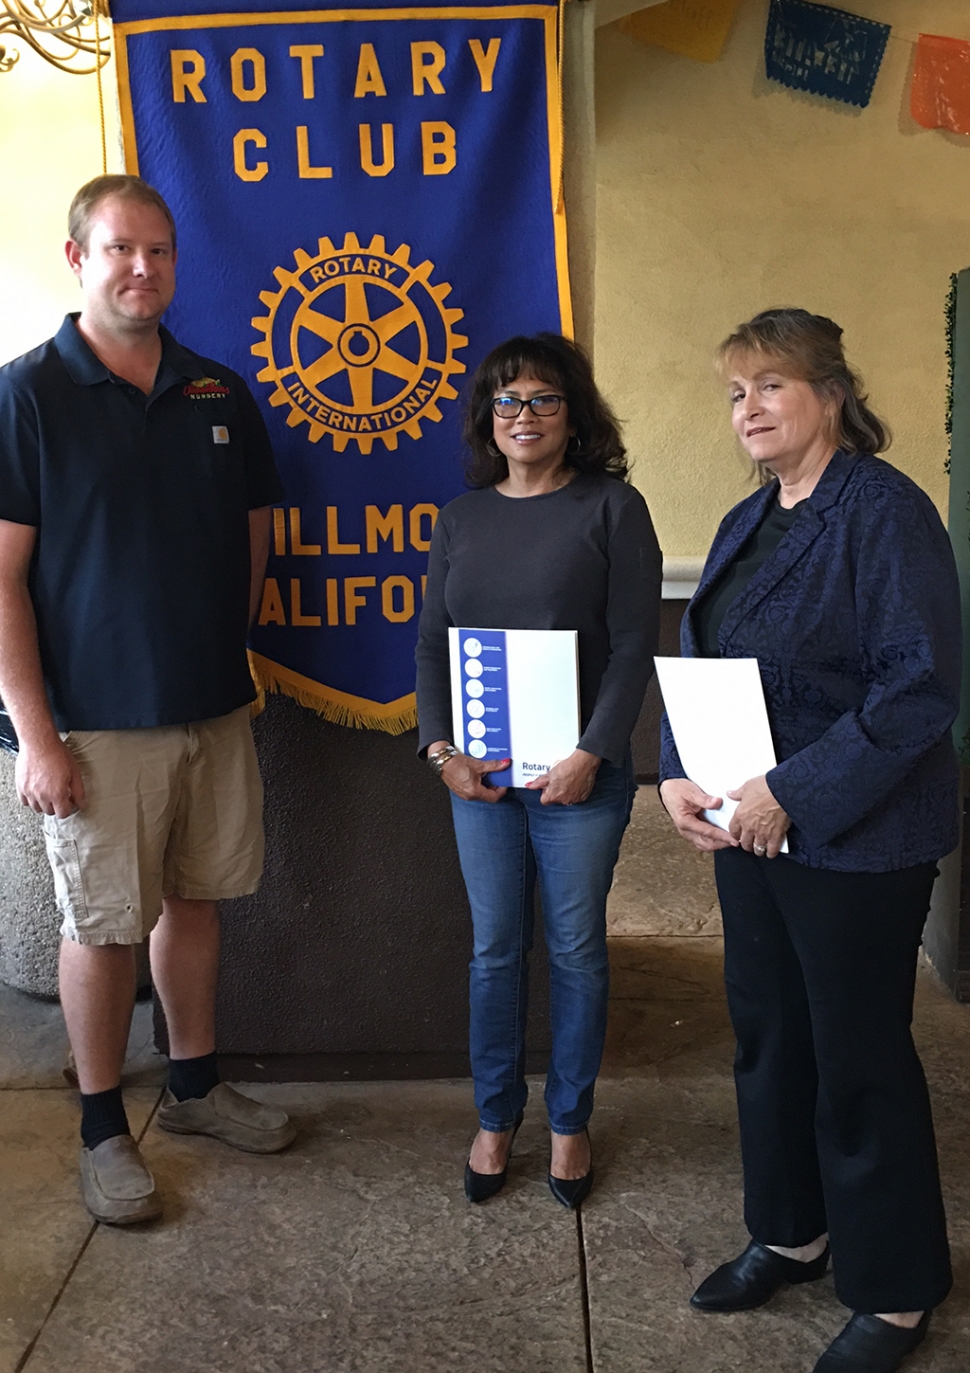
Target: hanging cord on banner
x=897, y=37
x=97, y=68
x=560, y=53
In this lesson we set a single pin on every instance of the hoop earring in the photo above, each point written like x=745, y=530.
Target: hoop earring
x=491, y=450
x=574, y=452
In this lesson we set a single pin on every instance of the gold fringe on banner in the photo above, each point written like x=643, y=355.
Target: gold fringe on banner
x=340, y=708
x=259, y=705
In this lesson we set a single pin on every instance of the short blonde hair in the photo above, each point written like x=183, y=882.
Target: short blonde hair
x=93, y=192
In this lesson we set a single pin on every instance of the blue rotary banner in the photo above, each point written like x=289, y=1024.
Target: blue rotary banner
x=827, y=51
x=367, y=201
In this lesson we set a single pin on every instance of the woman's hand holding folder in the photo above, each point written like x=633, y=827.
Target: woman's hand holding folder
x=466, y=776
x=569, y=781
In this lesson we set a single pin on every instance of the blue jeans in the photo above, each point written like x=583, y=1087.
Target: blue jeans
x=504, y=846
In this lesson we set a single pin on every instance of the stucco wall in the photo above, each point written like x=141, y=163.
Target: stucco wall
x=50, y=144
x=722, y=193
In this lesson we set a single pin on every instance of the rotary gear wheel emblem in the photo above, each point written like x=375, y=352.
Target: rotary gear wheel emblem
x=358, y=343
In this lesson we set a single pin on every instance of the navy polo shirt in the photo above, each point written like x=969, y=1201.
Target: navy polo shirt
x=140, y=574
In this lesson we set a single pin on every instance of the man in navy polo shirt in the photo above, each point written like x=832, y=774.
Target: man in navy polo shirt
x=136, y=480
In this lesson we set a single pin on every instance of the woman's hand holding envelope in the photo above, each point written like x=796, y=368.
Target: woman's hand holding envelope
x=759, y=824
x=685, y=803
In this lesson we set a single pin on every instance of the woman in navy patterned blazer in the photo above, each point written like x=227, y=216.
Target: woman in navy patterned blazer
x=837, y=575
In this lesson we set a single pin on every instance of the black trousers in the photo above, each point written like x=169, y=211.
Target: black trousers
x=836, y=1129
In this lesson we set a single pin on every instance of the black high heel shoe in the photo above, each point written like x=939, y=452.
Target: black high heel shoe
x=571, y=1192
x=480, y=1186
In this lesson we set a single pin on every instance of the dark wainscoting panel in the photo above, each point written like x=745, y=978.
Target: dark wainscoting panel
x=355, y=950
x=646, y=735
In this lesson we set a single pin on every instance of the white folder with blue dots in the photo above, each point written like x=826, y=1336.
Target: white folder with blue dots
x=515, y=694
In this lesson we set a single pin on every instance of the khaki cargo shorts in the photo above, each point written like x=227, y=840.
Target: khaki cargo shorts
x=172, y=811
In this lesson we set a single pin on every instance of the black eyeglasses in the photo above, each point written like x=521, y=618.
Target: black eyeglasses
x=510, y=407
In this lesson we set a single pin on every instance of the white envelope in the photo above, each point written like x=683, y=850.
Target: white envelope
x=716, y=708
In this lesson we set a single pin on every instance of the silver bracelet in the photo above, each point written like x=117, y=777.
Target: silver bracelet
x=437, y=760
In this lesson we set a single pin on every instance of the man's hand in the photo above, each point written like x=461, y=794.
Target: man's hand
x=684, y=801
x=569, y=781
x=49, y=779
x=759, y=824
x=47, y=774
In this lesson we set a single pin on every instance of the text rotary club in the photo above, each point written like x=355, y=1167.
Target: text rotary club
x=437, y=143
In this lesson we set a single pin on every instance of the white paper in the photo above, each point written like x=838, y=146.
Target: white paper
x=528, y=706
x=716, y=708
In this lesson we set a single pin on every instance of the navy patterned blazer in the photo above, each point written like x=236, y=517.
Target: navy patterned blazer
x=855, y=622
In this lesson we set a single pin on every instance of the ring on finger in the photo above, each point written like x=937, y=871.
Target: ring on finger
x=760, y=849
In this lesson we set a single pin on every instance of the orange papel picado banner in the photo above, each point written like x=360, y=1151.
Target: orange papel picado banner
x=368, y=199
x=940, y=96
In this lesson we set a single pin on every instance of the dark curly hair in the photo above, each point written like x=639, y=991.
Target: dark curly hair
x=560, y=362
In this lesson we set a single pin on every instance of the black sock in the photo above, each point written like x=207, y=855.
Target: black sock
x=102, y=1117
x=192, y=1077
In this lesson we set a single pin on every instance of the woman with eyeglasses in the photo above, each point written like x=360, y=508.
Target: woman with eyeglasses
x=551, y=536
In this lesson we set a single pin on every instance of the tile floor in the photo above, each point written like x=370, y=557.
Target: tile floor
x=355, y=1252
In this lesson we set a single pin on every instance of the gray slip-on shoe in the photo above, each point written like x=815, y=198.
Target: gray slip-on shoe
x=231, y=1117
x=115, y=1183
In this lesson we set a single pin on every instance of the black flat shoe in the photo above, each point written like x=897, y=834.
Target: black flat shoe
x=481, y=1186
x=870, y=1345
x=753, y=1278
x=571, y=1192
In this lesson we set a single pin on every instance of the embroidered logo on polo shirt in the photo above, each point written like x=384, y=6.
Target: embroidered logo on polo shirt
x=206, y=388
